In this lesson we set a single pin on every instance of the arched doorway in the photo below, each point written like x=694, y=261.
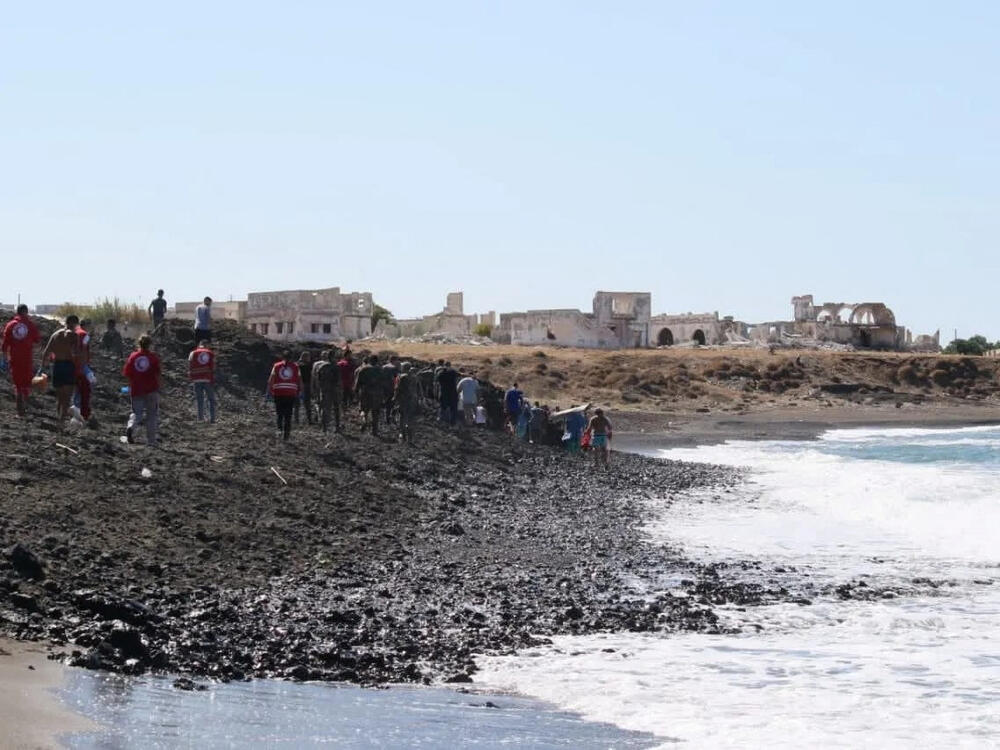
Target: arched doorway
x=665, y=337
x=698, y=337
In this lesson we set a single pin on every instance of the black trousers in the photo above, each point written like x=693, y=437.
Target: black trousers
x=285, y=407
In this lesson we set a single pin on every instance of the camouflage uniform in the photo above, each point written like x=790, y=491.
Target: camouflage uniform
x=408, y=401
x=369, y=383
x=326, y=389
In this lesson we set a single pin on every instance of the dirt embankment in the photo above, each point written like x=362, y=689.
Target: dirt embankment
x=730, y=381
x=375, y=562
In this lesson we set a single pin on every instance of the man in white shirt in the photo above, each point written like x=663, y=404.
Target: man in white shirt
x=203, y=322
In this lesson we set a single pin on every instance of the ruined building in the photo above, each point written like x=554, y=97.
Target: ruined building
x=695, y=328
x=452, y=321
x=310, y=315
x=620, y=320
x=864, y=325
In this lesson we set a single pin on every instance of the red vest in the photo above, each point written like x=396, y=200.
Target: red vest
x=286, y=379
x=84, y=339
x=201, y=365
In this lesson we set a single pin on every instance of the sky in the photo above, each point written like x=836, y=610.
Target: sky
x=724, y=156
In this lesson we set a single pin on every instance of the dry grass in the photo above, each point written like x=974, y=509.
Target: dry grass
x=726, y=379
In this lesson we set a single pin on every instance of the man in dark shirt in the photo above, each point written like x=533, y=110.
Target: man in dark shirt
x=158, y=309
x=513, y=402
x=369, y=385
x=447, y=381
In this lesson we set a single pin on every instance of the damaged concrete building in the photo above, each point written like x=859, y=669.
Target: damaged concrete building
x=863, y=325
x=620, y=320
x=695, y=328
x=310, y=315
x=451, y=321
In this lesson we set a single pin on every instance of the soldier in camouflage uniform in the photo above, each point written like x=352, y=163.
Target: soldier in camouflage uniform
x=369, y=387
x=408, y=402
x=326, y=389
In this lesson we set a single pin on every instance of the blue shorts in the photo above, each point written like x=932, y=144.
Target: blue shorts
x=599, y=441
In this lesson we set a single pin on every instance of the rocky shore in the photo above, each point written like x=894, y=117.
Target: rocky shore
x=229, y=554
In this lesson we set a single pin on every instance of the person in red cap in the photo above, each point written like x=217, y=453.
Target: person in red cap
x=19, y=338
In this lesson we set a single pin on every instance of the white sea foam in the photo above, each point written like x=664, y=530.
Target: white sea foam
x=895, y=673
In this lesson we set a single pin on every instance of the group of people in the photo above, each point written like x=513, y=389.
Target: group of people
x=392, y=392
x=531, y=423
x=68, y=351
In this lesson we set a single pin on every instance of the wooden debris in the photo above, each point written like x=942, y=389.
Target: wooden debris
x=67, y=448
x=279, y=476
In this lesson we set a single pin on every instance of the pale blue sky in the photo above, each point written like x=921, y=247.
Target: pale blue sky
x=722, y=155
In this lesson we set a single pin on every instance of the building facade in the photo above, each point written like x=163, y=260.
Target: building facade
x=619, y=320
x=320, y=315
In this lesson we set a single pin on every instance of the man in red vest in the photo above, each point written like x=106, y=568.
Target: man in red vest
x=83, y=371
x=19, y=338
x=285, y=385
x=142, y=369
x=201, y=372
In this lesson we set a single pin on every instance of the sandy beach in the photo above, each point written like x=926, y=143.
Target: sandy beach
x=30, y=713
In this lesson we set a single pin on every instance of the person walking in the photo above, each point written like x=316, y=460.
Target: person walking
x=407, y=397
x=157, y=309
x=111, y=339
x=64, y=349
x=203, y=321
x=468, y=396
x=368, y=385
x=84, y=374
x=576, y=423
x=284, y=384
x=326, y=386
x=523, y=421
x=448, y=388
x=537, y=424
x=305, y=395
x=513, y=402
x=346, y=366
x=18, y=346
x=201, y=373
x=142, y=370
x=390, y=370
x=599, y=428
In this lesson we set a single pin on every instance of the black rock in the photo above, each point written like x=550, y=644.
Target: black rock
x=23, y=601
x=26, y=562
x=185, y=683
x=128, y=640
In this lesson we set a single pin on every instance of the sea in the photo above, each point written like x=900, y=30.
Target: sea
x=912, y=515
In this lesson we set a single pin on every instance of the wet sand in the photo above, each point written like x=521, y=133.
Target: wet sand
x=31, y=715
x=636, y=431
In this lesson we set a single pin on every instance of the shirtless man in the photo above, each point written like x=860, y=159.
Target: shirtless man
x=599, y=428
x=64, y=347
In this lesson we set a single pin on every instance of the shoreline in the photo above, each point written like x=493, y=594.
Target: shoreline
x=31, y=714
x=642, y=431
